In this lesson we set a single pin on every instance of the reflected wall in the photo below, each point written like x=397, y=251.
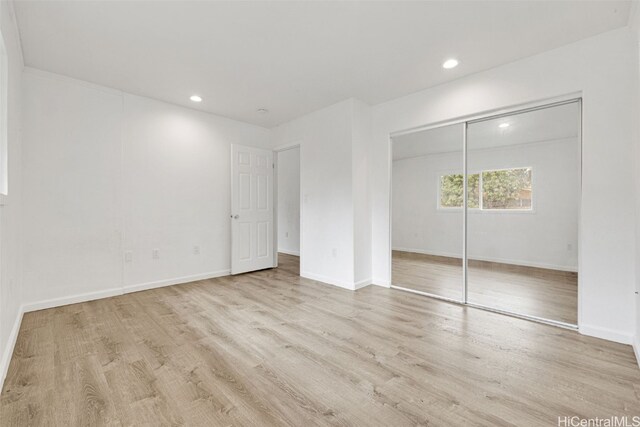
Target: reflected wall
x=427, y=224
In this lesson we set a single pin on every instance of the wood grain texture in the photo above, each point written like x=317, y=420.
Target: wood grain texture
x=270, y=348
x=550, y=294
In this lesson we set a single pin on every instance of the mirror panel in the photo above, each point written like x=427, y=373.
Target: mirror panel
x=522, y=221
x=427, y=211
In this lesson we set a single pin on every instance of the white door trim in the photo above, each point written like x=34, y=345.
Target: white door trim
x=279, y=149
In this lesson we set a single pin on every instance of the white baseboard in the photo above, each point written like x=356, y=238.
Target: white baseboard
x=90, y=296
x=361, y=284
x=636, y=349
x=327, y=280
x=352, y=286
x=606, y=334
x=175, y=281
x=11, y=344
x=385, y=283
x=285, y=251
x=547, y=266
x=5, y=358
x=72, y=299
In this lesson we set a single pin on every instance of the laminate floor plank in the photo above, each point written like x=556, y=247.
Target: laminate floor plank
x=272, y=348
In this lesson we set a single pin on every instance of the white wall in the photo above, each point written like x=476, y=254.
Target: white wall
x=334, y=183
x=11, y=205
x=538, y=238
x=289, y=201
x=361, y=137
x=326, y=181
x=607, y=247
x=636, y=344
x=177, y=189
x=634, y=25
x=106, y=173
x=71, y=171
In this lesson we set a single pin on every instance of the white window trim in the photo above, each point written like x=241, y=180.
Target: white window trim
x=4, y=121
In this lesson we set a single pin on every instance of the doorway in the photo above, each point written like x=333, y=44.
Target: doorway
x=486, y=212
x=288, y=209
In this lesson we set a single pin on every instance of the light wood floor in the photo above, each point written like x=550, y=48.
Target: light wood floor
x=270, y=348
x=550, y=294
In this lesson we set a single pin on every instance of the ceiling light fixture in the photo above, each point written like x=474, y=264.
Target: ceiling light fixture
x=503, y=125
x=196, y=98
x=450, y=63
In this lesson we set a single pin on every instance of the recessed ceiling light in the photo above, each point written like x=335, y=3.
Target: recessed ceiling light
x=196, y=98
x=450, y=63
x=262, y=111
x=503, y=125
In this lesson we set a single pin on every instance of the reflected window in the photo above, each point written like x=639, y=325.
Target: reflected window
x=507, y=189
x=452, y=191
x=504, y=189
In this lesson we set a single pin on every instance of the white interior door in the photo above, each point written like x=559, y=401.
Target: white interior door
x=251, y=209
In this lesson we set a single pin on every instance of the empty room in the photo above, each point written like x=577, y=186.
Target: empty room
x=289, y=213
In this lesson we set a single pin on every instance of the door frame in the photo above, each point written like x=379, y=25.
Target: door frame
x=276, y=151
x=465, y=121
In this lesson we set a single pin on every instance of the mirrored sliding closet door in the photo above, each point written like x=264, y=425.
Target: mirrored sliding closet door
x=427, y=211
x=522, y=218
x=510, y=242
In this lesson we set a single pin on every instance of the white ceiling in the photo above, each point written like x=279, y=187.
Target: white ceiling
x=293, y=57
x=537, y=126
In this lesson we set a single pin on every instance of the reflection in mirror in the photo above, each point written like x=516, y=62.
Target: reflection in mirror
x=522, y=230
x=427, y=211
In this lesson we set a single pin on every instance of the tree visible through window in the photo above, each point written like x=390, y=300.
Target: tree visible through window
x=488, y=190
x=506, y=189
x=452, y=191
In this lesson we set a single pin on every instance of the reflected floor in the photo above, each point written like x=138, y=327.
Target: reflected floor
x=550, y=294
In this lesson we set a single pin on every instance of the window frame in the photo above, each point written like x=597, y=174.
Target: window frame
x=4, y=120
x=480, y=209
